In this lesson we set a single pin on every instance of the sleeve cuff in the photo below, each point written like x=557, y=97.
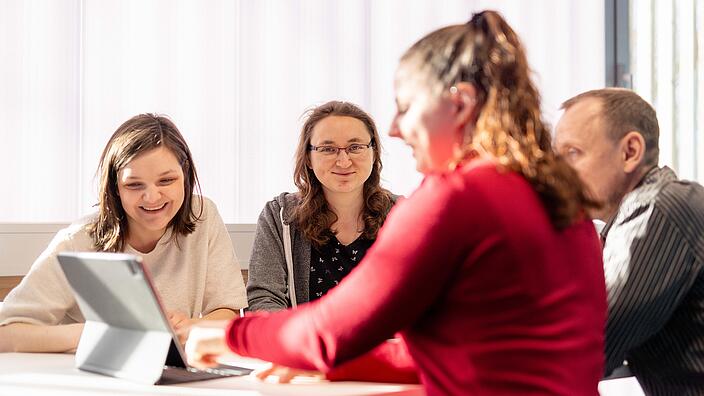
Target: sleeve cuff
x=231, y=336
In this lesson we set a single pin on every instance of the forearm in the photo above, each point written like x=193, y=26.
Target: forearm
x=22, y=337
x=266, y=303
x=389, y=362
x=388, y=275
x=220, y=314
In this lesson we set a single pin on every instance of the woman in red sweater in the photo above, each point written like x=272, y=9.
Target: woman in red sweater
x=489, y=271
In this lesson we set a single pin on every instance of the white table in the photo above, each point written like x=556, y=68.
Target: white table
x=30, y=374
x=43, y=373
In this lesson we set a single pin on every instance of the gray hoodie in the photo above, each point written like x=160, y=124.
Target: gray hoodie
x=267, y=286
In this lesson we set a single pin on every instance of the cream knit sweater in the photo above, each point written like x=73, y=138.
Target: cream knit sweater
x=195, y=277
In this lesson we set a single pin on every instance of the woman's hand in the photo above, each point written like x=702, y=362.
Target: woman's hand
x=206, y=342
x=181, y=324
x=286, y=374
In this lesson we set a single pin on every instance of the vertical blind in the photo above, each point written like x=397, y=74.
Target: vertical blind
x=667, y=62
x=235, y=76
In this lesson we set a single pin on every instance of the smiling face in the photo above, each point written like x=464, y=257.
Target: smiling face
x=426, y=122
x=581, y=138
x=341, y=173
x=151, y=189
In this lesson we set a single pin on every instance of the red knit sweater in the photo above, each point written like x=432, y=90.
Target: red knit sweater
x=489, y=298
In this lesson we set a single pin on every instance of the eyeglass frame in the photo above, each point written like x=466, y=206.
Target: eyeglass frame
x=337, y=149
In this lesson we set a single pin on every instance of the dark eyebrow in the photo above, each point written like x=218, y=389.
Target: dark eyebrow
x=353, y=140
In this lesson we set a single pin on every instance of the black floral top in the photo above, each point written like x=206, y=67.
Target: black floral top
x=332, y=262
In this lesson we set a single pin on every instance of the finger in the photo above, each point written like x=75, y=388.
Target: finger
x=195, y=360
x=205, y=344
x=209, y=360
x=183, y=331
x=203, y=361
x=177, y=316
x=285, y=376
x=179, y=323
x=264, y=373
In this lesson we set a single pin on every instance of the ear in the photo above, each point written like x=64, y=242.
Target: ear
x=632, y=151
x=464, y=98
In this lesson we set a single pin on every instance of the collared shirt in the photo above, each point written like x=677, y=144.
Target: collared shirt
x=653, y=265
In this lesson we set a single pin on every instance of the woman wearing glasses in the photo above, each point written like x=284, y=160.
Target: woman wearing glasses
x=490, y=270
x=308, y=241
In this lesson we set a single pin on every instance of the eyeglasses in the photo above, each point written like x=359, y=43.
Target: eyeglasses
x=353, y=150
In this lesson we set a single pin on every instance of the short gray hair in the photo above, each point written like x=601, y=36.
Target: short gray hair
x=624, y=111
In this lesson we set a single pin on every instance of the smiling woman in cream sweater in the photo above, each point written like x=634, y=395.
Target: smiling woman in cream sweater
x=147, y=207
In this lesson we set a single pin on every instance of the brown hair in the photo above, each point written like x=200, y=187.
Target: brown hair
x=313, y=215
x=135, y=136
x=487, y=53
x=624, y=111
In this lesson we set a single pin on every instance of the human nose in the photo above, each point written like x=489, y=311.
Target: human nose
x=343, y=158
x=393, y=129
x=151, y=194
